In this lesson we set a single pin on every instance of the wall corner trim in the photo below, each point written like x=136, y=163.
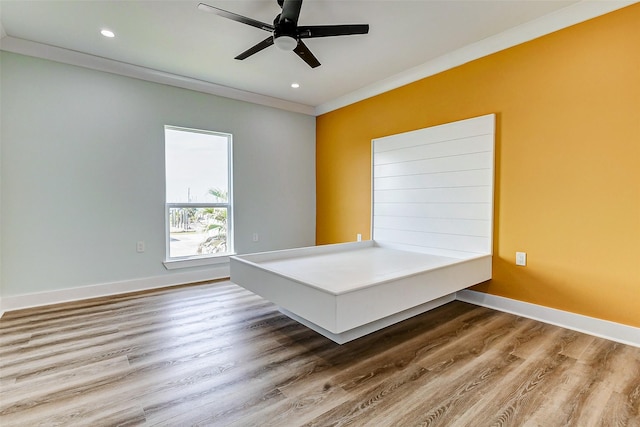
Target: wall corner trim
x=617, y=332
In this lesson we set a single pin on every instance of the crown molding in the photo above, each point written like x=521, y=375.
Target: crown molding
x=57, y=54
x=565, y=17
x=562, y=18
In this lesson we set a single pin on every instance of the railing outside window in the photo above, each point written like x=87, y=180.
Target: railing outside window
x=198, y=229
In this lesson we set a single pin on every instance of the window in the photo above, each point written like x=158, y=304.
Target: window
x=198, y=193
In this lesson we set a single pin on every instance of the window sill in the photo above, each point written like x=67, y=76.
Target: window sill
x=196, y=262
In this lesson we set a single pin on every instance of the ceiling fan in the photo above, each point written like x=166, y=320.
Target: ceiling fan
x=285, y=31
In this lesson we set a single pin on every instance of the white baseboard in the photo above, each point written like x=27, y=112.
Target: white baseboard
x=589, y=325
x=18, y=302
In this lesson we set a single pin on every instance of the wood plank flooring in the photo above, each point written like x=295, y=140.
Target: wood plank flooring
x=217, y=355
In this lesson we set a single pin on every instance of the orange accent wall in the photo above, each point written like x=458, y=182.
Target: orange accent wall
x=567, y=162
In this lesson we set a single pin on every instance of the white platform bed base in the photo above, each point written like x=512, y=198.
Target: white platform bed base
x=432, y=228
x=348, y=290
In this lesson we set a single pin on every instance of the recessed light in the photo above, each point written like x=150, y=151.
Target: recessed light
x=295, y=85
x=107, y=33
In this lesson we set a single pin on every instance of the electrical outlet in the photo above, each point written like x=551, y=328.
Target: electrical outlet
x=140, y=246
x=256, y=237
x=521, y=258
x=359, y=237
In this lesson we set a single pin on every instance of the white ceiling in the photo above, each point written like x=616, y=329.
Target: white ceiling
x=407, y=40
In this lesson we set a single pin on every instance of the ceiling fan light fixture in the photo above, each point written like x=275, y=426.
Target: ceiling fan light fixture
x=285, y=42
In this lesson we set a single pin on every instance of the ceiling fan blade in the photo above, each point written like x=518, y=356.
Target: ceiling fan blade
x=290, y=11
x=255, y=49
x=307, y=32
x=303, y=52
x=235, y=17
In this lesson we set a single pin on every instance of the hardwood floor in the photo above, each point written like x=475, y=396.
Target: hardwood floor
x=215, y=354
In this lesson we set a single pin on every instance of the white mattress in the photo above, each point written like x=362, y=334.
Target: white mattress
x=348, y=271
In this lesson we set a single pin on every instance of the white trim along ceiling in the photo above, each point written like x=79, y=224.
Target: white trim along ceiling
x=561, y=18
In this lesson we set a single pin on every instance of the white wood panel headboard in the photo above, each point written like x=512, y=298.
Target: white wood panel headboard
x=433, y=188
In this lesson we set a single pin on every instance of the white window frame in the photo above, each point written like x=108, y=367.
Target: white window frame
x=207, y=259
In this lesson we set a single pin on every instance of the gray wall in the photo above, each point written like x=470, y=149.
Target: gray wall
x=82, y=174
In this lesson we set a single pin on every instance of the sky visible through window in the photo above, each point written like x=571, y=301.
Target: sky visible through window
x=195, y=163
